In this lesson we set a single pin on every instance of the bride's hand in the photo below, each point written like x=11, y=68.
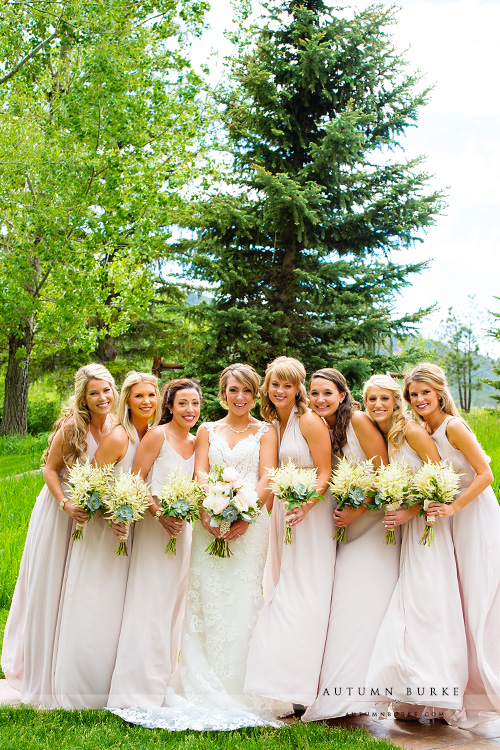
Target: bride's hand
x=238, y=528
x=205, y=522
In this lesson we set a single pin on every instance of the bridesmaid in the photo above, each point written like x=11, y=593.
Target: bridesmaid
x=475, y=523
x=287, y=646
x=96, y=579
x=364, y=565
x=408, y=663
x=31, y=626
x=149, y=643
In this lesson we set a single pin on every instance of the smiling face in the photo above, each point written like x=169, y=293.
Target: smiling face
x=238, y=396
x=99, y=397
x=380, y=404
x=142, y=401
x=424, y=399
x=186, y=408
x=282, y=393
x=325, y=398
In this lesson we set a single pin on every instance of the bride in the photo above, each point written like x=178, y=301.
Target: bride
x=224, y=594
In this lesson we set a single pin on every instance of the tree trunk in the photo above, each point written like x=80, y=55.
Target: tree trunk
x=16, y=381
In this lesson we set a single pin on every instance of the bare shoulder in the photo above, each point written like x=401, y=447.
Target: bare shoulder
x=117, y=438
x=362, y=422
x=154, y=438
x=311, y=420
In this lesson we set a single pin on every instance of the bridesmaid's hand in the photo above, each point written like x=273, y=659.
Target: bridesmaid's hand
x=296, y=515
x=119, y=529
x=441, y=510
x=397, y=517
x=348, y=515
x=205, y=522
x=172, y=525
x=74, y=512
x=238, y=528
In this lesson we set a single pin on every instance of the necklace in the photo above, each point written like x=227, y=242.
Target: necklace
x=238, y=432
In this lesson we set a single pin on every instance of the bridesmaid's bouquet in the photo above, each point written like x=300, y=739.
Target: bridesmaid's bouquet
x=350, y=484
x=434, y=483
x=178, y=498
x=393, y=491
x=227, y=500
x=88, y=486
x=126, y=502
x=294, y=486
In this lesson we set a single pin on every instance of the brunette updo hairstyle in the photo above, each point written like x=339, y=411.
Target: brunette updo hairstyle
x=169, y=392
x=291, y=370
x=345, y=410
x=429, y=373
x=244, y=374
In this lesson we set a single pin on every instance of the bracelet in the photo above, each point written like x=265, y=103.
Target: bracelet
x=158, y=514
x=62, y=504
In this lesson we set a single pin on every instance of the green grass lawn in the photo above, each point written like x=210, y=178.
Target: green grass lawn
x=28, y=729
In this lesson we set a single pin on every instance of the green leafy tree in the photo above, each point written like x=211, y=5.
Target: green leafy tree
x=461, y=360
x=298, y=248
x=98, y=138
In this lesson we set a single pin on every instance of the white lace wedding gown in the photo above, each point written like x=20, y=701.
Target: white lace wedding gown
x=223, y=600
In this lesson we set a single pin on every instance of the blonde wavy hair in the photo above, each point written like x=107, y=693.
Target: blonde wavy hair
x=133, y=378
x=290, y=370
x=427, y=372
x=75, y=417
x=244, y=374
x=400, y=416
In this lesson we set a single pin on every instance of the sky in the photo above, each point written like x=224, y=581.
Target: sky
x=454, y=43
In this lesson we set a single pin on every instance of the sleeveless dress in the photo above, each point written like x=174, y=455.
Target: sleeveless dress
x=366, y=572
x=223, y=600
x=149, y=643
x=300, y=603
x=476, y=536
x=30, y=632
x=420, y=656
x=91, y=613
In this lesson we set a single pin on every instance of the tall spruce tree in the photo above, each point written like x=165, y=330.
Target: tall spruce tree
x=298, y=245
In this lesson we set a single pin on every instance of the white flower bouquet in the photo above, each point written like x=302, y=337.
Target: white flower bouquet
x=350, y=485
x=227, y=500
x=294, y=486
x=434, y=483
x=179, y=498
x=393, y=491
x=88, y=486
x=126, y=502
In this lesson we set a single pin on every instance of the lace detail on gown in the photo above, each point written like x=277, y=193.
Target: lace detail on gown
x=223, y=600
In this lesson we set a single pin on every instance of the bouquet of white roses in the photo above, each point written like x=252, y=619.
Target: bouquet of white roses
x=88, y=486
x=393, y=490
x=126, y=502
x=350, y=485
x=227, y=500
x=434, y=483
x=179, y=499
x=294, y=486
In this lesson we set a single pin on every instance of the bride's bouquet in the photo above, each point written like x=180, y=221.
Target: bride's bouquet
x=88, y=486
x=393, y=491
x=294, y=486
x=350, y=485
x=227, y=500
x=434, y=483
x=126, y=502
x=178, y=499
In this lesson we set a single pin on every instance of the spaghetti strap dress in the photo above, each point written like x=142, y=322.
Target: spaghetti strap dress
x=476, y=537
x=91, y=612
x=300, y=603
x=148, y=648
x=420, y=656
x=30, y=632
x=366, y=572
